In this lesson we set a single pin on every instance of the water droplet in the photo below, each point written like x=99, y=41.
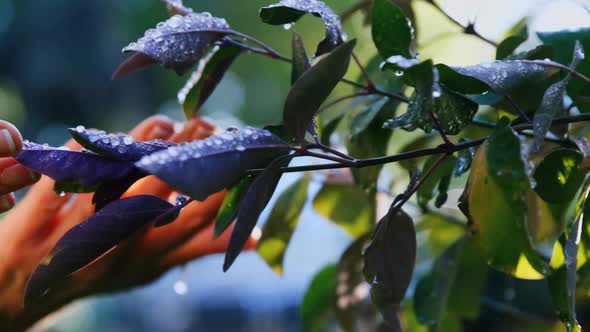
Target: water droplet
x=180, y=287
x=127, y=140
x=399, y=73
x=80, y=129
x=180, y=200
x=240, y=148
x=287, y=26
x=62, y=194
x=121, y=149
x=105, y=140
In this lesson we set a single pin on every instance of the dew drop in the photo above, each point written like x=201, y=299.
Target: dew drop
x=287, y=26
x=127, y=140
x=62, y=194
x=240, y=148
x=399, y=73
x=80, y=129
x=180, y=287
x=121, y=149
x=105, y=140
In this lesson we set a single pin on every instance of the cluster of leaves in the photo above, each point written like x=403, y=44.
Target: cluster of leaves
x=525, y=177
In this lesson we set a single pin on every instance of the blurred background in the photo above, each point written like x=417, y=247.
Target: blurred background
x=56, y=59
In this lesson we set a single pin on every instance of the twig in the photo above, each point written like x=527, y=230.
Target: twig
x=361, y=163
x=370, y=83
x=341, y=99
x=439, y=128
x=329, y=150
x=491, y=125
x=558, y=65
x=517, y=108
x=469, y=29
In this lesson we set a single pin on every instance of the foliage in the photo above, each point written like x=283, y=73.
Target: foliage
x=525, y=182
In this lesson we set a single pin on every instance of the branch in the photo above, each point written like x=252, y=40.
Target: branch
x=370, y=83
x=469, y=29
x=444, y=148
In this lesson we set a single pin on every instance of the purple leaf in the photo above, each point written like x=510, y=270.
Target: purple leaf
x=207, y=76
x=111, y=190
x=90, y=239
x=120, y=147
x=201, y=168
x=81, y=167
x=177, y=43
x=255, y=200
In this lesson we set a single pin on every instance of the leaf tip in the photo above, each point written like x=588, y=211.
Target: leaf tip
x=134, y=63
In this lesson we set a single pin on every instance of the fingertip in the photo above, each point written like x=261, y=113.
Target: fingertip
x=156, y=126
x=11, y=141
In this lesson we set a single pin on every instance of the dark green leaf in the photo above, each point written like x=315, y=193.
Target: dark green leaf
x=289, y=11
x=176, y=43
x=280, y=226
x=313, y=87
x=559, y=177
x=389, y=262
x=451, y=291
x=206, y=77
x=518, y=35
x=228, y=211
x=255, y=200
x=318, y=300
x=464, y=159
x=329, y=129
x=391, y=29
x=441, y=175
x=369, y=139
x=348, y=206
x=495, y=196
x=301, y=62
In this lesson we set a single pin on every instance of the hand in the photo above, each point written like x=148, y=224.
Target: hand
x=36, y=223
x=13, y=176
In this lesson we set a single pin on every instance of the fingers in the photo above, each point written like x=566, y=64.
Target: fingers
x=154, y=127
x=14, y=176
x=204, y=243
x=11, y=142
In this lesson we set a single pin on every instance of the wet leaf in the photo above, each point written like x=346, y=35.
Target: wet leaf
x=553, y=100
x=318, y=300
x=90, y=239
x=501, y=77
x=119, y=147
x=391, y=29
x=290, y=11
x=111, y=190
x=313, y=87
x=281, y=224
x=301, y=62
x=464, y=159
x=228, y=211
x=210, y=71
x=83, y=168
x=348, y=206
x=559, y=177
x=451, y=291
x=255, y=200
x=389, y=262
x=495, y=195
x=203, y=167
x=177, y=43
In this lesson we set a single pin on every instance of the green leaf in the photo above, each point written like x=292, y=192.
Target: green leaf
x=389, y=262
x=318, y=300
x=228, y=211
x=519, y=34
x=562, y=279
x=313, y=87
x=559, y=177
x=564, y=44
x=495, y=195
x=369, y=139
x=288, y=11
x=552, y=103
x=206, y=77
x=440, y=175
x=391, y=29
x=419, y=143
x=464, y=159
x=348, y=206
x=451, y=291
x=280, y=226
x=301, y=62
